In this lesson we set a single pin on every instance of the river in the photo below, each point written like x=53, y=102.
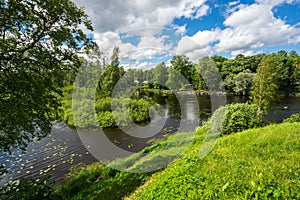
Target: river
x=62, y=149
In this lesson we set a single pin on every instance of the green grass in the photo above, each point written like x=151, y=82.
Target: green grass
x=255, y=164
x=99, y=182
x=259, y=163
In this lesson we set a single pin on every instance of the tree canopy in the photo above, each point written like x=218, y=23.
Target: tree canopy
x=265, y=88
x=39, y=44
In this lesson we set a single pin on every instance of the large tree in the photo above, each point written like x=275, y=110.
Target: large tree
x=39, y=44
x=241, y=83
x=265, y=88
x=160, y=75
x=182, y=64
x=209, y=75
x=111, y=75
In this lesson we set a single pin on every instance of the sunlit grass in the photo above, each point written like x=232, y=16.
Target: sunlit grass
x=259, y=163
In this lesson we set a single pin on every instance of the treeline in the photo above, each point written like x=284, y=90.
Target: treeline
x=265, y=77
x=238, y=73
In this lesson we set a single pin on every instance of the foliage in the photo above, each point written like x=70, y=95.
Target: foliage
x=173, y=83
x=106, y=119
x=239, y=117
x=29, y=189
x=293, y=118
x=103, y=105
x=241, y=83
x=255, y=164
x=231, y=67
x=183, y=66
x=210, y=76
x=38, y=52
x=265, y=88
x=286, y=70
x=110, y=76
x=139, y=109
x=99, y=182
x=160, y=75
x=125, y=108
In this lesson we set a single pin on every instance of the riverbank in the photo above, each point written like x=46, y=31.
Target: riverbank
x=257, y=163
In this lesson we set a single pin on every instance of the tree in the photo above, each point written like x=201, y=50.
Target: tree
x=265, y=88
x=111, y=75
x=183, y=66
x=285, y=70
x=39, y=44
x=160, y=75
x=210, y=76
x=241, y=83
x=293, y=54
x=173, y=82
x=219, y=60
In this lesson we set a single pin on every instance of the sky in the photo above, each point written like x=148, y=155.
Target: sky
x=151, y=31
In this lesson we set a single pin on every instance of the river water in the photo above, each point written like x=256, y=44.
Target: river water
x=63, y=148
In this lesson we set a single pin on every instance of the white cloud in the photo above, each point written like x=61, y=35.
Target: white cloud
x=244, y=52
x=124, y=15
x=247, y=27
x=198, y=53
x=254, y=26
x=180, y=30
x=198, y=45
x=147, y=48
x=134, y=17
x=140, y=65
x=233, y=3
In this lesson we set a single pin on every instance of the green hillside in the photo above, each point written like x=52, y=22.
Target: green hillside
x=259, y=163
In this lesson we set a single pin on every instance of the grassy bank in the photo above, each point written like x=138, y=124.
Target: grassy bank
x=258, y=163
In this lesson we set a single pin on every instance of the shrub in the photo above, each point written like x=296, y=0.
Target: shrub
x=239, y=117
x=139, y=110
x=293, y=118
x=106, y=119
x=103, y=105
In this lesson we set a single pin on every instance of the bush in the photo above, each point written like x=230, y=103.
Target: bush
x=293, y=118
x=239, y=117
x=139, y=110
x=29, y=189
x=106, y=119
x=103, y=105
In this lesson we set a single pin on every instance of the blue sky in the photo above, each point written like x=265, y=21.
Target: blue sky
x=149, y=32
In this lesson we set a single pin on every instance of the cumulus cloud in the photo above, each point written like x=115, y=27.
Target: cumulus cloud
x=135, y=18
x=123, y=15
x=247, y=27
x=255, y=26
